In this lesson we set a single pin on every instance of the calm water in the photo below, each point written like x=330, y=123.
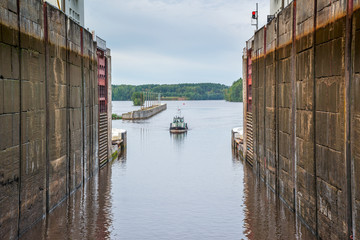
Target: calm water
x=175, y=186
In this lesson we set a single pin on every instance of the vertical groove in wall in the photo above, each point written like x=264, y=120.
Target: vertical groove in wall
x=353, y=92
x=277, y=168
x=67, y=76
x=258, y=114
x=89, y=124
x=47, y=158
x=20, y=120
x=91, y=116
x=264, y=111
x=348, y=72
x=82, y=106
x=293, y=104
x=69, y=104
x=93, y=132
x=314, y=117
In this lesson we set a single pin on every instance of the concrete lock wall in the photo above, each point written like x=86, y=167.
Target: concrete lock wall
x=306, y=114
x=48, y=111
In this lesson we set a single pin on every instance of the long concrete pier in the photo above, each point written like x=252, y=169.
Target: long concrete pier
x=144, y=113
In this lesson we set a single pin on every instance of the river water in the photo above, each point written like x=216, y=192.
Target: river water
x=167, y=186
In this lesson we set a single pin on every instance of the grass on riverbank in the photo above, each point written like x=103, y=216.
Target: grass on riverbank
x=114, y=116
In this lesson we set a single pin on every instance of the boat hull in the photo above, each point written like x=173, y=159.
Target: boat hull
x=178, y=130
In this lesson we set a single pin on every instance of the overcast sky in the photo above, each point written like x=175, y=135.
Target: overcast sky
x=174, y=41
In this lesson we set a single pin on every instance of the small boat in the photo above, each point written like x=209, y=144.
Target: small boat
x=178, y=125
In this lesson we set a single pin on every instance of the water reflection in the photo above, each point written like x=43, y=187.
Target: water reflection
x=144, y=134
x=266, y=216
x=87, y=214
x=178, y=138
x=177, y=186
x=178, y=141
x=122, y=159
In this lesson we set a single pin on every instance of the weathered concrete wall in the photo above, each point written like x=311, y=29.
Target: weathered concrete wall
x=355, y=119
x=48, y=111
x=305, y=187
x=306, y=119
x=57, y=84
x=76, y=111
x=90, y=105
x=284, y=109
x=33, y=114
x=144, y=114
x=330, y=119
x=269, y=97
x=9, y=117
x=258, y=71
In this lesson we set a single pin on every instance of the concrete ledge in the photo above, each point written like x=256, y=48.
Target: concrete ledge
x=145, y=113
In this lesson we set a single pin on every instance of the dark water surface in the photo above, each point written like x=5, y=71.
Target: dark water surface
x=175, y=186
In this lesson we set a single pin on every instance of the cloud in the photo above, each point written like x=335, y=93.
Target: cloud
x=173, y=40
x=140, y=67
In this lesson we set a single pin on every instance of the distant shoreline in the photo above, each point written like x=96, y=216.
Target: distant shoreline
x=174, y=99
x=188, y=91
x=181, y=100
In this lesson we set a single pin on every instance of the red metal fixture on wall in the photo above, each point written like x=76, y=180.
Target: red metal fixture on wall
x=103, y=125
x=249, y=81
x=102, y=80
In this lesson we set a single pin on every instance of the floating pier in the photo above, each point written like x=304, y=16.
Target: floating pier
x=144, y=113
x=119, y=140
x=237, y=141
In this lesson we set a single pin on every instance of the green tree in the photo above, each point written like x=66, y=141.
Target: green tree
x=137, y=98
x=235, y=92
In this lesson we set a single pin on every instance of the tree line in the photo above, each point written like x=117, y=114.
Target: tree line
x=189, y=91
